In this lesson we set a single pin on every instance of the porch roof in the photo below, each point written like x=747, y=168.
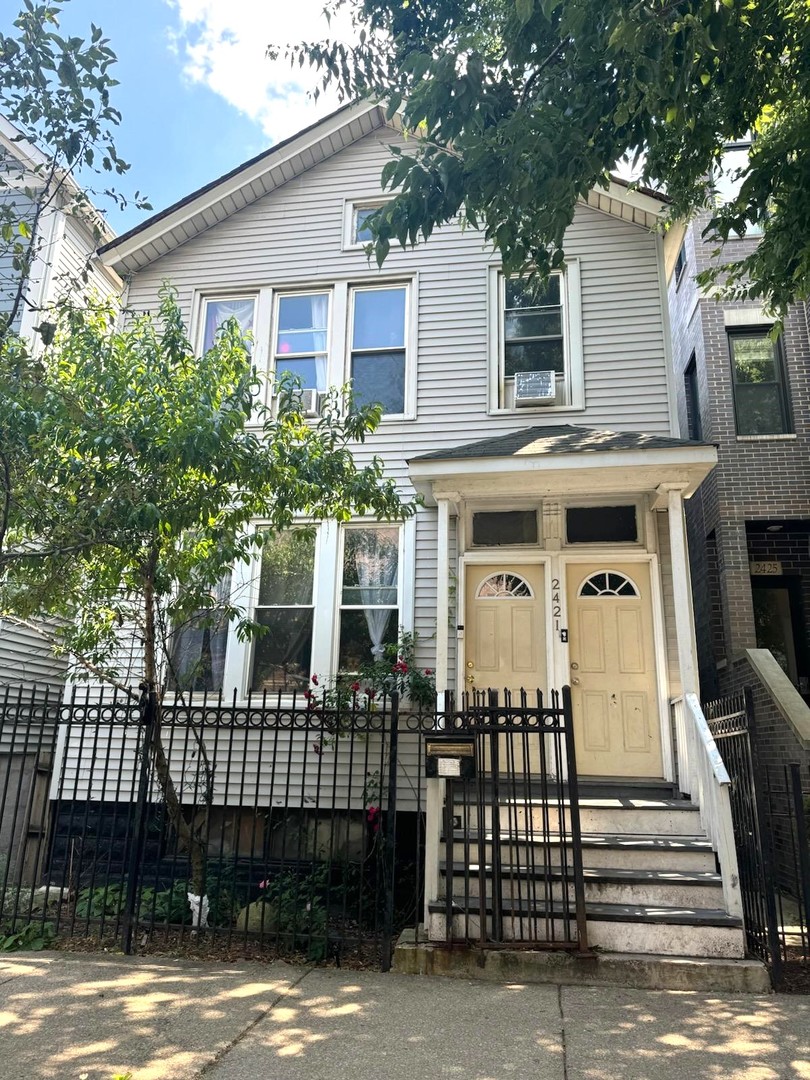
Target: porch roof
x=564, y=458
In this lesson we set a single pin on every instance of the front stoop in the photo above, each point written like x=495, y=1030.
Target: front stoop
x=634, y=970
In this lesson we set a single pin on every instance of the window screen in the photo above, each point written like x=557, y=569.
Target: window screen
x=601, y=524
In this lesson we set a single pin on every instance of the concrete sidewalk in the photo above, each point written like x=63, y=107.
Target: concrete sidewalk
x=65, y=1016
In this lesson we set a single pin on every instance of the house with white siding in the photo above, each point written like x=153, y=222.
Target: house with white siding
x=66, y=236
x=539, y=425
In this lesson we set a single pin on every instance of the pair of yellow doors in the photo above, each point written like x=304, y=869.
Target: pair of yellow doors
x=610, y=653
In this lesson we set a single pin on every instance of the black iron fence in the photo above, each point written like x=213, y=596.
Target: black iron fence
x=512, y=867
x=290, y=826
x=770, y=810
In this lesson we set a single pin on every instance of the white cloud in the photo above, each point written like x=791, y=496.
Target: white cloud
x=223, y=43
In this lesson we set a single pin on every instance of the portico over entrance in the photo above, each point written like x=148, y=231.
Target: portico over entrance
x=561, y=559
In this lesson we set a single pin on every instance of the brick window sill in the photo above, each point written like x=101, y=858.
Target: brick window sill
x=767, y=438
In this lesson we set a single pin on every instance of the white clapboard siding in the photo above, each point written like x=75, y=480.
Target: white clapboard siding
x=73, y=270
x=251, y=767
x=293, y=237
x=27, y=660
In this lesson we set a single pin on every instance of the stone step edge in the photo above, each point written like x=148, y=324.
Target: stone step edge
x=627, y=841
x=591, y=803
x=610, y=875
x=596, y=911
x=414, y=955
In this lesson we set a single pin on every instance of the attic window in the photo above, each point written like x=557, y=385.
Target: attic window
x=356, y=233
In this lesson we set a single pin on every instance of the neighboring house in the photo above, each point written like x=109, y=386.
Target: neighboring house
x=748, y=392
x=66, y=238
x=540, y=427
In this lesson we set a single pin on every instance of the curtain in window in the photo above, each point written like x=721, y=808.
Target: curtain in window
x=376, y=564
x=320, y=319
x=219, y=311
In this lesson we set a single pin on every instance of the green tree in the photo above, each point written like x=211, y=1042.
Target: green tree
x=55, y=90
x=515, y=109
x=140, y=471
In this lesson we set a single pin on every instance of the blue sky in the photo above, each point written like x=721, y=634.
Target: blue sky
x=197, y=94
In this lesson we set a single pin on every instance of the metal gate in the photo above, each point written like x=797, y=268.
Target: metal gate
x=771, y=837
x=512, y=863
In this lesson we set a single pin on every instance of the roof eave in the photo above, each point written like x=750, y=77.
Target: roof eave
x=638, y=469
x=122, y=253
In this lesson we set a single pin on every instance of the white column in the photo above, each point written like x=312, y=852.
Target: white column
x=434, y=789
x=684, y=625
x=442, y=594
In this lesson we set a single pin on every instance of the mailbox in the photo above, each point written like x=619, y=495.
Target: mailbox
x=449, y=756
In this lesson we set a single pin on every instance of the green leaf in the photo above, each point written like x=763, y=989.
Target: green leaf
x=524, y=10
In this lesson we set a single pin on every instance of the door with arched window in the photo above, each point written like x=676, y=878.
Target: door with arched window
x=506, y=633
x=614, y=686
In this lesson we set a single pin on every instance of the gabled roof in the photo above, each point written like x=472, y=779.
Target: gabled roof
x=243, y=185
x=558, y=439
x=266, y=172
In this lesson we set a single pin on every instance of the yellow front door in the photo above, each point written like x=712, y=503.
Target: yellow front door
x=506, y=633
x=617, y=731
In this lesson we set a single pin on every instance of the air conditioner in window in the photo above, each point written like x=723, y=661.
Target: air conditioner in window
x=310, y=402
x=535, y=388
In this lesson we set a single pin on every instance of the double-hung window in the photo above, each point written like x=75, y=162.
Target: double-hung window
x=282, y=656
x=539, y=343
x=197, y=646
x=378, y=346
x=301, y=338
x=758, y=377
x=217, y=311
x=369, y=598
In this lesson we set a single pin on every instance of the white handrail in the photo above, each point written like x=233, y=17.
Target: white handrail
x=703, y=776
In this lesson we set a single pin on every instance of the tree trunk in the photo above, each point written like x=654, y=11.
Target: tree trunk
x=193, y=839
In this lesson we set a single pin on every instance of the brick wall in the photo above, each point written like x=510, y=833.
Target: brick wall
x=756, y=480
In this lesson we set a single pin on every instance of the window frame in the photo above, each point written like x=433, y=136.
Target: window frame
x=573, y=381
x=255, y=607
x=278, y=296
x=220, y=296
x=694, y=419
x=409, y=338
x=402, y=608
x=350, y=208
x=594, y=504
x=781, y=381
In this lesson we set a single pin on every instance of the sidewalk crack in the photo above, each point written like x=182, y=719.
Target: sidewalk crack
x=562, y=1033
x=217, y=1058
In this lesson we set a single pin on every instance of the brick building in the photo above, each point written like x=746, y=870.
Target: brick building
x=749, y=524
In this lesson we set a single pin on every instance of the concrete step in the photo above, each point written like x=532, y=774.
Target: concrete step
x=624, y=851
x=667, y=888
x=659, y=817
x=414, y=955
x=639, y=928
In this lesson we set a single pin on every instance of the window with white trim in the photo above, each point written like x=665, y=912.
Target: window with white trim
x=378, y=346
x=537, y=342
x=282, y=656
x=356, y=213
x=301, y=338
x=217, y=310
x=369, y=596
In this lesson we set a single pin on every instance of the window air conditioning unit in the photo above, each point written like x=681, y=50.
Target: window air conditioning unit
x=535, y=388
x=310, y=402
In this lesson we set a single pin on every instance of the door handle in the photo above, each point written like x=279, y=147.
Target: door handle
x=575, y=681
x=471, y=678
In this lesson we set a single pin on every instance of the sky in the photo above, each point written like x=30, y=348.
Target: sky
x=197, y=93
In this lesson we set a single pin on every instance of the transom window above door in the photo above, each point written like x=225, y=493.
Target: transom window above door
x=608, y=583
x=504, y=586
